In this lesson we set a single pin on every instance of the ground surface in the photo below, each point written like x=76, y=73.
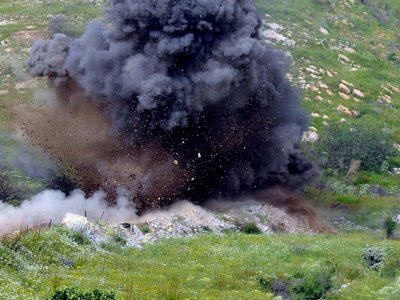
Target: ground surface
x=346, y=54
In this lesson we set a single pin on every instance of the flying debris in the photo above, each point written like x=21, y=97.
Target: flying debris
x=166, y=91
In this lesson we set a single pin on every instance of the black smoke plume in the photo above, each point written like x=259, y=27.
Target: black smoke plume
x=190, y=86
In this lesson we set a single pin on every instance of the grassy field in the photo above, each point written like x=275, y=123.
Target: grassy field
x=233, y=266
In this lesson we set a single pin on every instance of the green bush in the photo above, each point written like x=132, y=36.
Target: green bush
x=79, y=237
x=340, y=145
x=311, y=286
x=76, y=294
x=250, y=228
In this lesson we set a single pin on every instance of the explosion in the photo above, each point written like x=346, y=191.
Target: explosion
x=171, y=100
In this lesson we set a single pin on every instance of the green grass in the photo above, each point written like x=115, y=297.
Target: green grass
x=206, y=267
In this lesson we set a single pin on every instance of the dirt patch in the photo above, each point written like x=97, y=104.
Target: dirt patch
x=294, y=205
x=28, y=37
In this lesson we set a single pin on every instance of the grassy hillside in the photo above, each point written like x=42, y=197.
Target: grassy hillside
x=329, y=41
x=233, y=266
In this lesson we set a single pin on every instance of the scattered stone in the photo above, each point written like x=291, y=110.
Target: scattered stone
x=325, y=123
x=346, y=83
x=344, y=89
x=319, y=98
x=3, y=92
x=325, y=117
x=344, y=59
x=323, y=31
x=330, y=74
x=387, y=89
x=344, y=109
x=323, y=85
x=344, y=96
x=310, y=136
x=342, y=120
x=358, y=93
x=385, y=99
x=315, y=115
x=329, y=92
x=393, y=88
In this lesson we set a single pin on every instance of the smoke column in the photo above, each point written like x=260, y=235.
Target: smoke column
x=190, y=101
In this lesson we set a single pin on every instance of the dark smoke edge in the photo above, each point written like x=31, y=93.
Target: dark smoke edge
x=194, y=78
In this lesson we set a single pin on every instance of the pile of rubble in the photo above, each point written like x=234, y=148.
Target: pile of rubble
x=185, y=219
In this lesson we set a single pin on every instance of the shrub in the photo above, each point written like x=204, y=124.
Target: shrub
x=118, y=238
x=250, y=228
x=374, y=257
x=144, y=228
x=340, y=145
x=390, y=226
x=9, y=192
x=76, y=294
x=312, y=286
x=79, y=237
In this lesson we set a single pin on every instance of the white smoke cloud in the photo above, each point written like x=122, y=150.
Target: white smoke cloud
x=53, y=205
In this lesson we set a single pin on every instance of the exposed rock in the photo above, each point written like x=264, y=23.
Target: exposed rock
x=274, y=36
x=397, y=219
x=274, y=26
x=187, y=219
x=319, y=98
x=3, y=92
x=342, y=120
x=310, y=136
x=378, y=190
x=325, y=117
